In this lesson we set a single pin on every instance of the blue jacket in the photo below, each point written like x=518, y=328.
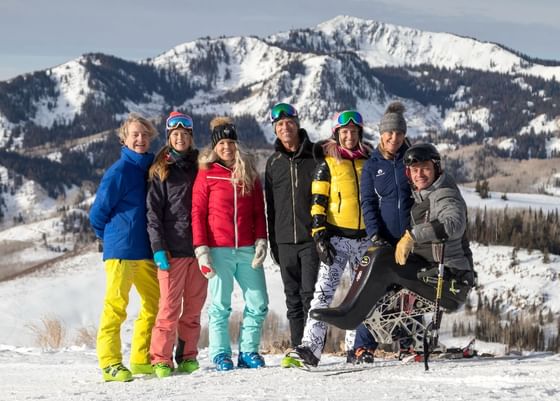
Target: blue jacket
x=118, y=215
x=386, y=196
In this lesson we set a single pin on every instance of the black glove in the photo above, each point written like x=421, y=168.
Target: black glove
x=378, y=241
x=99, y=245
x=325, y=250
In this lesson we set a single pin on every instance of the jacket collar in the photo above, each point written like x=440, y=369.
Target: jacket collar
x=304, y=145
x=142, y=160
x=443, y=181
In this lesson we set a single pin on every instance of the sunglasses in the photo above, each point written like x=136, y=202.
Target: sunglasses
x=282, y=110
x=179, y=121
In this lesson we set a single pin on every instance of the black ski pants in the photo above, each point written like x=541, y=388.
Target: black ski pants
x=299, y=265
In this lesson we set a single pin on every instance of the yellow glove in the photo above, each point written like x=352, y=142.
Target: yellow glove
x=404, y=247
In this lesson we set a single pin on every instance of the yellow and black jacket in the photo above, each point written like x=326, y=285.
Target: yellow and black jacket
x=336, y=192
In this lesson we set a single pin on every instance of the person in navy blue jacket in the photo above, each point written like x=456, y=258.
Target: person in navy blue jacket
x=118, y=217
x=386, y=200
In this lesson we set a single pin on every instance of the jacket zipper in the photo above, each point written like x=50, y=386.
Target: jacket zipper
x=398, y=194
x=293, y=198
x=358, y=193
x=236, y=234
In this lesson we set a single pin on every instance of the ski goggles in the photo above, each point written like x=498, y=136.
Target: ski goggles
x=280, y=110
x=346, y=117
x=179, y=121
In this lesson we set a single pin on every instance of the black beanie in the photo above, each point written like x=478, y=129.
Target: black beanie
x=393, y=119
x=224, y=131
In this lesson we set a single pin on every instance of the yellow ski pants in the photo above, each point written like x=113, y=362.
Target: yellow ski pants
x=121, y=274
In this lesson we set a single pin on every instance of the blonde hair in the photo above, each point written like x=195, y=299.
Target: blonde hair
x=244, y=170
x=136, y=118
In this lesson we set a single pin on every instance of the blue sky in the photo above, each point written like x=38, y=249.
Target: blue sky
x=37, y=34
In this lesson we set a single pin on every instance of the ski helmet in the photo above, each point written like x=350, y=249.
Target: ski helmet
x=423, y=152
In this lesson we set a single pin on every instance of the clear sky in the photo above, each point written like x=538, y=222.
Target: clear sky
x=38, y=34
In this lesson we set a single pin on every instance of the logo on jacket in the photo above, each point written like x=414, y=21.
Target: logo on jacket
x=380, y=172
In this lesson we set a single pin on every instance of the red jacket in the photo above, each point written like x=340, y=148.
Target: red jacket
x=221, y=217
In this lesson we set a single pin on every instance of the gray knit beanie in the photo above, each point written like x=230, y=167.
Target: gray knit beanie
x=393, y=119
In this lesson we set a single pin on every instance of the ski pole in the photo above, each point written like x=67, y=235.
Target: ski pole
x=436, y=321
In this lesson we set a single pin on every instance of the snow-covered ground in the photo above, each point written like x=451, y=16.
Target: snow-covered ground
x=72, y=291
x=73, y=375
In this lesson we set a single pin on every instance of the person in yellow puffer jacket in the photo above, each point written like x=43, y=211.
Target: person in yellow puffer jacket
x=338, y=227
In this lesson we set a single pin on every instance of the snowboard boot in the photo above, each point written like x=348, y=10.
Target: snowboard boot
x=250, y=360
x=188, y=366
x=117, y=373
x=223, y=362
x=162, y=369
x=141, y=368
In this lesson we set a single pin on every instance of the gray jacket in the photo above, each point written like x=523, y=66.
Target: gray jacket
x=439, y=214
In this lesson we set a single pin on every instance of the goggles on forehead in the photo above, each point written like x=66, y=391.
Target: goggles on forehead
x=346, y=117
x=179, y=121
x=280, y=110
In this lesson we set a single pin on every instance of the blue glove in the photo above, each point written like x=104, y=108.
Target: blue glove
x=160, y=258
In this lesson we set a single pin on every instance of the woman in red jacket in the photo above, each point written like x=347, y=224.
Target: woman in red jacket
x=229, y=235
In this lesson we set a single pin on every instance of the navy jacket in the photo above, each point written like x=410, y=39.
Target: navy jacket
x=386, y=196
x=118, y=214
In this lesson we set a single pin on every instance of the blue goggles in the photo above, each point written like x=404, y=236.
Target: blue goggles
x=280, y=110
x=179, y=121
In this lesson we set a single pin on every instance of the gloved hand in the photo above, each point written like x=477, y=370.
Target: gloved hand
x=99, y=245
x=260, y=253
x=378, y=241
x=325, y=250
x=204, y=261
x=274, y=252
x=404, y=247
x=160, y=259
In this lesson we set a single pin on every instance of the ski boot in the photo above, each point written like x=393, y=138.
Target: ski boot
x=250, y=360
x=162, y=369
x=117, y=373
x=141, y=368
x=223, y=362
x=364, y=355
x=188, y=366
x=300, y=357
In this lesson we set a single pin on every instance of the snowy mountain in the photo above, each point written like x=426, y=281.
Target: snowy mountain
x=342, y=63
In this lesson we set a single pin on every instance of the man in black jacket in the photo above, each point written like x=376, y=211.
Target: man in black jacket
x=289, y=172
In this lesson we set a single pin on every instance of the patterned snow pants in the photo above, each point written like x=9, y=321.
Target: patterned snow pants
x=348, y=252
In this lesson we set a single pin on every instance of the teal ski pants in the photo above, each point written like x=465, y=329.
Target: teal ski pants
x=230, y=264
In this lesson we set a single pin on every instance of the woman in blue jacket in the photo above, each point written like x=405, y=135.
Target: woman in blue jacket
x=385, y=199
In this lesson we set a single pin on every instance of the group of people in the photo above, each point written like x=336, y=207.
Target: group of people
x=181, y=223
